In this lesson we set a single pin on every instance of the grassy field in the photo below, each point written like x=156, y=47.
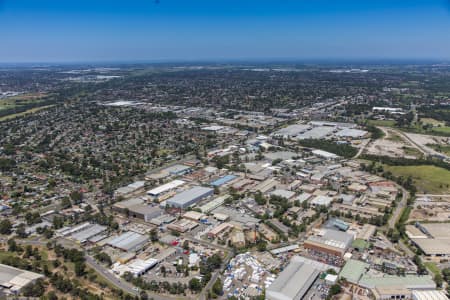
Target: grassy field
x=412, y=151
x=432, y=122
x=432, y=267
x=440, y=148
x=30, y=111
x=385, y=123
x=427, y=179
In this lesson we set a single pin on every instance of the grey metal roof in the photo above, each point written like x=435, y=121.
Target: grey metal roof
x=293, y=282
x=128, y=241
x=189, y=195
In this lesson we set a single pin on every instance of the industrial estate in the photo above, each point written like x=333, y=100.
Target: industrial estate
x=162, y=182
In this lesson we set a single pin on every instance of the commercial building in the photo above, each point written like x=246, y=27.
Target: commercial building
x=138, y=267
x=321, y=200
x=429, y=295
x=189, y=197
x=158, y=191
x=353, y=270
x=182, y=225
x=351, y=133
x=436, y=239
x=136, y=208
x=410, y=282
x=128, y=241
x=213, y=204
x=293, y=282
x=87, y=233
x=193, y=215
x=238, y=239
x=14, y=279
x=131, y=188
x=177, y=170
x=223, y=180
x=330, y=241
x=220, y=229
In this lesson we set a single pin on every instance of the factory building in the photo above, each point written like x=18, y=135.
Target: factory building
x=294, y=282
x=330, y=241
x=128, y=241
x=213, y=204
x=223, y=180
x=136, y=208
x=14, y=279
x=160, y=190
x=188, y=197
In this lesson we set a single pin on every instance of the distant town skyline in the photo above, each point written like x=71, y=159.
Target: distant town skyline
x=175, y=30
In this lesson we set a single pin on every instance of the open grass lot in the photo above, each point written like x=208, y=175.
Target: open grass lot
x=30, y=111
x=427, y=179
x=432, y=122
x=432, y=267
x=443, y=129
x=445, y=149
x=385, y=123
x=17, y=101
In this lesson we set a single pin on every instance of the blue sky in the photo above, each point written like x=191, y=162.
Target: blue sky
x=140, y=30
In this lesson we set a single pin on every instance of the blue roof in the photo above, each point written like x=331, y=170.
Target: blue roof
x=223, y=180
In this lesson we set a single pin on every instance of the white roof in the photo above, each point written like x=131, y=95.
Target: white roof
x=166, y=187
x=324, y=154
x=429, y=295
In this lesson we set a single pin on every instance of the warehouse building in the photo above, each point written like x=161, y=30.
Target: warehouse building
x=223, y=180
x=213, y=204
x=330, y=241
x=294, y=282
x=89, y=232
x=14, y=279
x=188, y=197
x=160, y=190
x=136, y=208
x=128, y=241
x=435, y=240
x=429, y=295
x=131, y=188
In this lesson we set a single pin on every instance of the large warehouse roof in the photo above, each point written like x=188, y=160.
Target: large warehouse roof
x=293, y=282
x=165, y=187
x=15, y=279
x=185, y=197
x=128, y=241
x=408, y=281
x=353, y=270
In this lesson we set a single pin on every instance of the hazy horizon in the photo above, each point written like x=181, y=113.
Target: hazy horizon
x=101, y=31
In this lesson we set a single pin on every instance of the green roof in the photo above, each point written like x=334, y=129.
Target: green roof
x=353, y=270
x=409, y=281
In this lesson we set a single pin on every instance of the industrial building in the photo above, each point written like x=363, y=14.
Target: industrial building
x=330, y=241
x=128, y=241
x=137, y=267
x=224, y=227
x=223, y=180
x=160, y=190
x=294, y=282
x=131, y=188
x=87, y=233
x=136, y=208
x=177, y=170
x=189, y=197
x=14, y=279
x=428, y=295
x=182, y=225
x=213, y=204
x=353, y=270
x=435, y=240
